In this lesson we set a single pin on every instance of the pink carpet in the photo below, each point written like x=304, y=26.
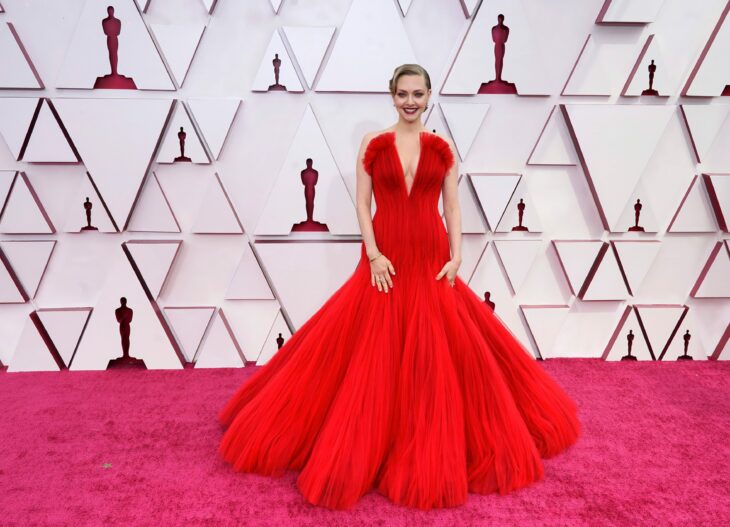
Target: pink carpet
x=139, y=448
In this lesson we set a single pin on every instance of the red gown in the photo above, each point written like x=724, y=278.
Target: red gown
x=420, y=393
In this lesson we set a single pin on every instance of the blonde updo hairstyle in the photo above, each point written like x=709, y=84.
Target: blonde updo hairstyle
x=408, y=69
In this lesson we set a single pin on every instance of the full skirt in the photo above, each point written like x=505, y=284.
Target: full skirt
x=420, y=393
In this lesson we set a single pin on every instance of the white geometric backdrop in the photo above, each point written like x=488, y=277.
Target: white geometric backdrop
x=202, y=249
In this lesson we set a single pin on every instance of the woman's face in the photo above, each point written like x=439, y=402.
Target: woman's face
x=411, y=97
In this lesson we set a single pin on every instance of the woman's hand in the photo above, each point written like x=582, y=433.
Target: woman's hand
x=380, y=271
x=449, y=269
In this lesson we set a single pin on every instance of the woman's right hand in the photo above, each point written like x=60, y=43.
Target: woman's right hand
x=380, y=270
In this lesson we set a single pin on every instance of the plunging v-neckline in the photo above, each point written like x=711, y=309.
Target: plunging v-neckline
x=400, y=162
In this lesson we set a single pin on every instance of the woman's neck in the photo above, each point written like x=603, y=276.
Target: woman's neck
x=406, y=127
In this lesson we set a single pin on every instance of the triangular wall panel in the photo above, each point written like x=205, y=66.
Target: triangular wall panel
x=286, y=204
x=309, y=45
x=152, y=212
x=16, y=68
x=216, y=214
x=220, y=348
x=23, y=212
x=214, y=117
x=87, y=54
x=189, y=325
x=178, y=44
x=370, y=43
x=116, y=139
x=29, y=259
x=16, y=115
x=65, y=328
x=265, y=78
x=47, y=142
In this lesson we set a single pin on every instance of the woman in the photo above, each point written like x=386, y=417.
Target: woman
x=403, y=380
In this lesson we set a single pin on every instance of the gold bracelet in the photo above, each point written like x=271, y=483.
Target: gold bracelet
x=374, y=257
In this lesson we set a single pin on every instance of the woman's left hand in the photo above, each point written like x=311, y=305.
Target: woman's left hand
x=449, y=269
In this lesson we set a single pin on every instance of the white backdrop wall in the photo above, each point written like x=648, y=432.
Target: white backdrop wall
x=203, y=251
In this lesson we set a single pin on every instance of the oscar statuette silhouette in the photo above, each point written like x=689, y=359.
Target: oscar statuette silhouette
x=277, y=65
x=112, y=27
x=87, y=209
x=500, y=34
x=686, y=338
x=181, y=135
x=309, y=178
x=124, y=316
x=488, y=300
x=521, y=213
x=651, y=90
x=630, y=342
x=637, y=213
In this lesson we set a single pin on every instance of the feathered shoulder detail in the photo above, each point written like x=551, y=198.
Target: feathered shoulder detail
x=375, y=146
x=383, y=140
x=442, y=147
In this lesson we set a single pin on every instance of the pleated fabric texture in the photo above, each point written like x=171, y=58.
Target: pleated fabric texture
x=419, y=393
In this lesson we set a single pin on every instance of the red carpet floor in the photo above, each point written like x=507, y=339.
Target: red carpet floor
x=139, y=448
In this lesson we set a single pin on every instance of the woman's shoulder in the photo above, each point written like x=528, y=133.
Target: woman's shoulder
x=372, y=143
x=443, y=145
x=378, y=135
x=376, y=140
x=440, y=138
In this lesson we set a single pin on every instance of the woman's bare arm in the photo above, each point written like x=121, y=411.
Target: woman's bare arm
x=452, y=212
x=363, y=200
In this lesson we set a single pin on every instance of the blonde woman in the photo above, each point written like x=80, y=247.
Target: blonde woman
x=403, y=381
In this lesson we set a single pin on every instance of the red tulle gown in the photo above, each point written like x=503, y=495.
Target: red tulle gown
x=420, y=393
